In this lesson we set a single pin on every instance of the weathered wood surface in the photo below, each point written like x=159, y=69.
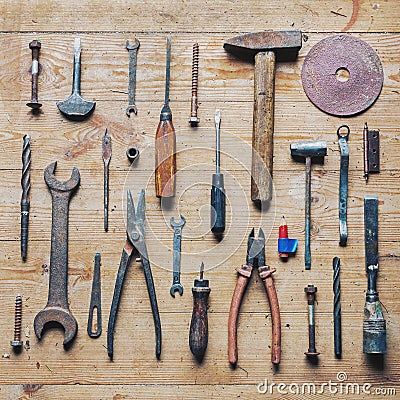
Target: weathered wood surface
x=192, y=16
x=46, y=370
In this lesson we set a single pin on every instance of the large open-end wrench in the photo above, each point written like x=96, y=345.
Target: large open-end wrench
x=176, y=273
x=133, y=49
x=57, y=308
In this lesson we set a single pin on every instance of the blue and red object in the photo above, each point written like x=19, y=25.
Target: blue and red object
x=286, y=246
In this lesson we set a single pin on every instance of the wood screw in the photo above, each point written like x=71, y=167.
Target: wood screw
x=194, y=120
x=17, y=322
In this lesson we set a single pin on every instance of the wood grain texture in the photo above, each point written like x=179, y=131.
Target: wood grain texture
x=44, y=370
x=190, y=16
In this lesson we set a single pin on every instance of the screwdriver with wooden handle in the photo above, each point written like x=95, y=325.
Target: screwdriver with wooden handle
x=166, y=141
x=198, y=336
x=217, y=190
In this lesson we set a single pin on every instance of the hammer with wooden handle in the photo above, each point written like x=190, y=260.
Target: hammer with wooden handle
x=266, y=47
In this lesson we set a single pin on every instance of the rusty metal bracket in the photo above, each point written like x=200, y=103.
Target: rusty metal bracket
x=344, y=182
x=373, y=151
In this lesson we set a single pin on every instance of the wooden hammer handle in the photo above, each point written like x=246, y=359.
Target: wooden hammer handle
x=244, y=274
x=263, y=126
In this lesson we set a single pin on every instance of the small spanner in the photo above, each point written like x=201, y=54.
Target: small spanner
x=57, y=308
x=176, y=273
x=133, y=49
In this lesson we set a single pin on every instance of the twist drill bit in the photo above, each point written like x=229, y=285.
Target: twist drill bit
x=26, y=187
x=337, y=309
x=106, y=147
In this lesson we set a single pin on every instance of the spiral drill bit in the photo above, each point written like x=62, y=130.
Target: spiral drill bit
x=26, y=187
x=337, y=308
x=17, y=343
x=106, y=148
x=194, y=120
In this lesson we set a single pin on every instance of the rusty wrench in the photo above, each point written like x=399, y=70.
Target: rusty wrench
x=176, y=273
x=133, y=49
x=57, y=308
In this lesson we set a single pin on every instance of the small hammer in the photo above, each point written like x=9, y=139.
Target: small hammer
x=315, y=148
x=266, y=47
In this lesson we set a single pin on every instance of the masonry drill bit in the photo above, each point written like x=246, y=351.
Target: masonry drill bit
x=26, y=187
x=337, y=309
x=106, y=146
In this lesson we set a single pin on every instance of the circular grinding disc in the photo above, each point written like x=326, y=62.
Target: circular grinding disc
x=342, y=97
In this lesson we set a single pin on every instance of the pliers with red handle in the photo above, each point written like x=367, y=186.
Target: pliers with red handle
x=255, y=258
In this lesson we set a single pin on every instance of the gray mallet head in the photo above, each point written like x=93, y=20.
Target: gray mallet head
x=314, y=148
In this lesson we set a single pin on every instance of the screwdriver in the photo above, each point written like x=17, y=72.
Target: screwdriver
x=198, y=337
x=217, y=190
x=165, y=141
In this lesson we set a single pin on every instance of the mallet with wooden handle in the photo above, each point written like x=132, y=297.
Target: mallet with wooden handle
x=267, y=48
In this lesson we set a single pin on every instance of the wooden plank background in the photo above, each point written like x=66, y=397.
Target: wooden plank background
x=45, y=370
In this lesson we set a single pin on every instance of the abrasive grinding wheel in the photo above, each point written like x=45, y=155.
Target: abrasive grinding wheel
x=342, y=75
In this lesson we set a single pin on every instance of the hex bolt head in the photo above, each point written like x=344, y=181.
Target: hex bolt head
x=310, y=290
x=35, y=44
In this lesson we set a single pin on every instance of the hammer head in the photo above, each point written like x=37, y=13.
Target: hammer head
x=285, y=44
x=314, y=148
x=76, y=107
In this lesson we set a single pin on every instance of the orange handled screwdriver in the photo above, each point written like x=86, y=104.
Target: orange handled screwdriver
x=166, y=141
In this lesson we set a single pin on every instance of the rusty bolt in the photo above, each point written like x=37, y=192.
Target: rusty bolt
x=310, y=290
x=35, y=46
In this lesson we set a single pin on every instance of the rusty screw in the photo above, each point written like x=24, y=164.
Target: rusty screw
x=194, y=120
x=310, y=290
x=17, y=323
x=35, y=46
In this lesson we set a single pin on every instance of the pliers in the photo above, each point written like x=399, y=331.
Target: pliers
x=135, y=231
x=255, y=258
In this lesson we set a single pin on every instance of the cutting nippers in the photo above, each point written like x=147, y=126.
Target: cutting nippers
x=135, y=230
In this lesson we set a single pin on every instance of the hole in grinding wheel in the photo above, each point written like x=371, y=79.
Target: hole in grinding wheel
x=342, y=74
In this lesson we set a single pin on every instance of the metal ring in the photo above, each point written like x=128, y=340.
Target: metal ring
x=339, y=133
x=132, y=153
